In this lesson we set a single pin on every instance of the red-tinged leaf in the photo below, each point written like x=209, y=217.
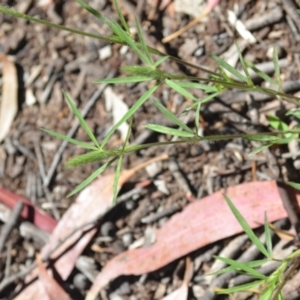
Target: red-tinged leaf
x=52, y=290
x=199, y=224
x=93, y=202
x=29, y=212
x=45, y=287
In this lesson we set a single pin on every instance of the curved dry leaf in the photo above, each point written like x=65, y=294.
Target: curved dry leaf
x=9, y=101
x=52, y=290
x=199, y=224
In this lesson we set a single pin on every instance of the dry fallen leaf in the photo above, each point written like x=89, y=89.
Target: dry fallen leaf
x=199, y=224
x=51, y=289
x=9, y=100
x=92, y=203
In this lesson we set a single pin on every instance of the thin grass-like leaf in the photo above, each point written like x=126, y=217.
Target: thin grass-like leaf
x=295, y=113
x=91, y=178
x=243, y=287
x=295, y=185
x=180, y=90
x=240, y=266
x=80, y=119
x=268, y=236
x=160, y=60
x=261, y=137
x=168, y=130
x=277, y=123
x=277, y=70
x=229, y=68
x=260, y=73
x=130, y=79
x=203, y=100
x=255, y=240
x=194, y=85
x=116, y=179
x=143, y=42
x=171, y=116
x=120, y=15
x=267, y=294
x=260, y=148
x=119, y=165
x=197, y=117
x=92, y=11
x=130, y=112
x=244, y=65
x=129, y=41
x=70, y=140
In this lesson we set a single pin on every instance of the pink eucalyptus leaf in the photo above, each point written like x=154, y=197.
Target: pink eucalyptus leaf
x=201, y=223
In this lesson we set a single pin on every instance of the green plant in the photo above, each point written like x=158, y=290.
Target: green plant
x=217, y=83
x=268, y=287
x=225, y=78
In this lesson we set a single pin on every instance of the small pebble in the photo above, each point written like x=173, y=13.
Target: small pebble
x=107, y=229
x=81, y=282
x=198, y=291
x=127, y=239
x=105, y=52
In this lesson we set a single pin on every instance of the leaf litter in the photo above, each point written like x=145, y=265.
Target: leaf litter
x=77, y=226
x=199, y=224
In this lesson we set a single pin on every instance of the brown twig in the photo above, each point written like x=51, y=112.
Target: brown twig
x=10, y=224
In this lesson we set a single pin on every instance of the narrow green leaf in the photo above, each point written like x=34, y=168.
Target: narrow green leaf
x=91, y=178
x=130, y=79
x=168, y=130
x=295, y=185
x=160, y=60
x=70, y=140
x=129, y=41
x=267, y=294
x=295, y=113
x=244, y=65
x=120, y=15
x=180, y=89
x=260, y=148
x=255, y=240
x=197, y=117
x=203, y=100
x=261, y=74
x=143, y=42
x=243, y=287
x=277, y=123
x=92, y=11
x=239, y=266
x=80, y=119
x=145, y=72
x=268, y=236
x=116, y=179
x=261, y=137
x=171, y=116
x=130, y=112
x=90, y=157
x=229, y=68
x=194, y=85
x=119, y=165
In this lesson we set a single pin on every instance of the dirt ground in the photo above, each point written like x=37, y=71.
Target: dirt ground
x=49, y=61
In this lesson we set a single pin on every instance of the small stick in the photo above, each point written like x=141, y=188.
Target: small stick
x=10, y=224
x=211, y=4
